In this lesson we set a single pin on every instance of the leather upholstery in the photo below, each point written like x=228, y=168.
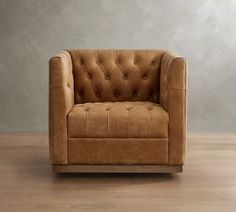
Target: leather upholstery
x=118, y=120
x=118, y=151
x=61, y=100
x=173, y=86
x=99, y=107
x=116, y=75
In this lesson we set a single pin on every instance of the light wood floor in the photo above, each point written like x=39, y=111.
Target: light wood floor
x=207, y=184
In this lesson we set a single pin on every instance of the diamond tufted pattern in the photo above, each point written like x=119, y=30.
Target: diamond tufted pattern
x=117, y=120
x=116, y=75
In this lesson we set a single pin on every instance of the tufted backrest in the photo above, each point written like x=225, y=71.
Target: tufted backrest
x=116, y=75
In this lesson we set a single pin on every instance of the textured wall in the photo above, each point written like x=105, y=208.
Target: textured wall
x=201, y=30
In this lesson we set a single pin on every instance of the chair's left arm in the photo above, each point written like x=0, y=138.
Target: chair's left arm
x=173, y=96
x=61, y=101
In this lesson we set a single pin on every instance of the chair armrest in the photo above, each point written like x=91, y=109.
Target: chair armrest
x=173, y=87
x=61, y=101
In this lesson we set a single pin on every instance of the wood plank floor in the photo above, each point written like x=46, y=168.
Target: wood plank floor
x=207, y=184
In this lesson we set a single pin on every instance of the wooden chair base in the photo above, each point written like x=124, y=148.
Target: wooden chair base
x=117, y=169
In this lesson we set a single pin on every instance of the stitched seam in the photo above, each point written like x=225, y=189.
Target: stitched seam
x=166, y=72
x=73, y=73
x=128, y=125
x=185, y=111
x=165, y=68
x=168, y=132
x=107, y=123
x=164, y=92
x=161, y=79
x=150, y=125
x=86, y=123
x=67, y=145
x=155, y=88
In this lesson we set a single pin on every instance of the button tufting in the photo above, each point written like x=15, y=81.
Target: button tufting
x=135, y=62
x=117, y=62
x=68, y=85
x=97, y=95
x=135, y=94
x=89, y=76
x=107, y=77
x=153, y=62
x=144, y=76
x=125, y=76
x=81, y=62
x=116, y=94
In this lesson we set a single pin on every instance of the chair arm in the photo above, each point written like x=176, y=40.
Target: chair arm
x=61, y=100
x=173, y=86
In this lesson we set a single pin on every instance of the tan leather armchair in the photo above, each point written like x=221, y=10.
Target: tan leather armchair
x=117, y=111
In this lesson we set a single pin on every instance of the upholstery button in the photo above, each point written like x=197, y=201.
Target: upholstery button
x=68, y=85
x=107, y=77
x=116, y=94
x=117, y=62
x=125, y=77
x=97, y=95
x=81, y=62
x=135, y=62
x=89, y=76
x=153, y=62
x=98, y=62
x=145, y=76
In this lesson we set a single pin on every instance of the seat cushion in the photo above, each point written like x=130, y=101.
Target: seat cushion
x=118, y=120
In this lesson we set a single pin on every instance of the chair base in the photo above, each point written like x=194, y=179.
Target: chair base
x=117, y=168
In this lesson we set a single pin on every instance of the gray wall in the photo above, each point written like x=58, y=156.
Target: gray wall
x=201, y=30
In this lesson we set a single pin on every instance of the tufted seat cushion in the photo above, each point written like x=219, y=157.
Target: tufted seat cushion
x=118, y=120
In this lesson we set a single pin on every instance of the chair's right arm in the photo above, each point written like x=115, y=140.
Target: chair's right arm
x=173, y=97
x=61, y=101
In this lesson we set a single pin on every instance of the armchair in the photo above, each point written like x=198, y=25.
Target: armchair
x=117, y=111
